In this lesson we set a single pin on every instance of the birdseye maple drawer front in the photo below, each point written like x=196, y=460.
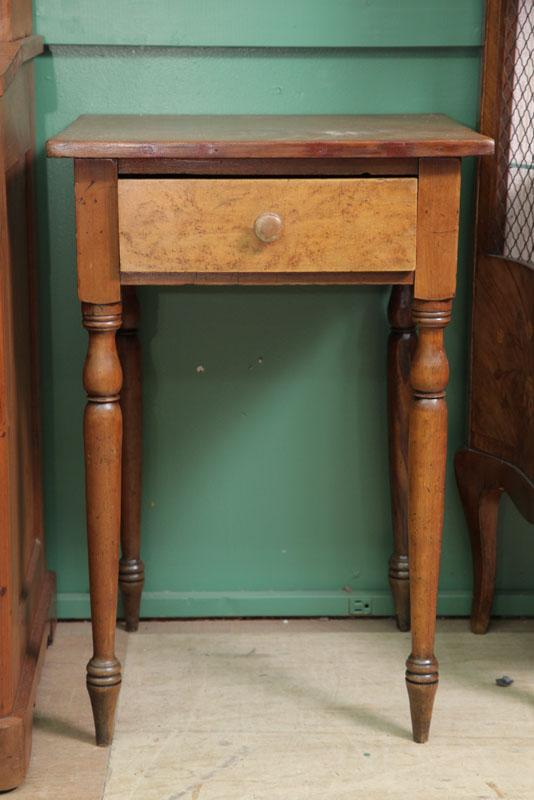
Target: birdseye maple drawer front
x=267, y=225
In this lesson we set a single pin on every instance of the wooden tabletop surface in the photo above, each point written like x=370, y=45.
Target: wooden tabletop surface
x=184, y=136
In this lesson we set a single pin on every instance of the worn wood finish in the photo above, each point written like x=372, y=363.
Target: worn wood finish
x=268, y=201
x=15, y=19
x=131, y=568
x=500, y=457
x=167, y=136
x=26, y=588
x=284, y=167
x=501, y=413
x=500, y=453
x=437, y=228
x=12, y=56
x=401, y=347
x=97, y=247
x=214, y=225
x=480, y=499
x=265, y=279
x=482, y=478
x=102, y=378
x=18, y=115
x=427, y=453
x=16, y=729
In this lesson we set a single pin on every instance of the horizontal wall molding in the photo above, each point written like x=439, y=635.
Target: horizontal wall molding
x=278, y=23
x=184, y=605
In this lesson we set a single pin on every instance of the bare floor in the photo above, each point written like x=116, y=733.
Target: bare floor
x=295, y=710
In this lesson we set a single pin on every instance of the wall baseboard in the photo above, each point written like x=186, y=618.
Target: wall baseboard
x=292, y=604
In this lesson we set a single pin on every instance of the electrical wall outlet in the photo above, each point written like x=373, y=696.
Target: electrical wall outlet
x=360, y=606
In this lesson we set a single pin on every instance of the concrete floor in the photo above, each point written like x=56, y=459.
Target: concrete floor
x=296, y=710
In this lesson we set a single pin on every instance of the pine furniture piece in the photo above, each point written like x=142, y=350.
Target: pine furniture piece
x=26, y=588
x=264, y=200
x=500, y=453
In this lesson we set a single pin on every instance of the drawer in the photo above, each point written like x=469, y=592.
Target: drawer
x=267, y=225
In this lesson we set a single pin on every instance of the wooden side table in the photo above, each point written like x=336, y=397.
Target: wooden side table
x=265, y=200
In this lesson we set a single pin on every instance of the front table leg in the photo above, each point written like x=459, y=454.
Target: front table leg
x=102, y=378
x=427, y=453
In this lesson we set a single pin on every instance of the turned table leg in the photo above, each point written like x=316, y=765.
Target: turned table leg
x=427, y=454
x=131, y=568
x=102, y=379
x=401, y=346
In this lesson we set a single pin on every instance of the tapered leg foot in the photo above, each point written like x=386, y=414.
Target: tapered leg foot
x=422, y=683
x=428, y=451
x=401, y=345
x=103, y=447
x=131, y=581
x=480, y=493
x=399, y=582
x=484, y=549
x=103, y=685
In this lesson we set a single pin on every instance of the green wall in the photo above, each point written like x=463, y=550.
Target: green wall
x=265, y=475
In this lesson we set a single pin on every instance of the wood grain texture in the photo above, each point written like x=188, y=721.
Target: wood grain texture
x=159, y=136
x=13, y=55
x=437, y=228
x=102, y=379
x=15, y=19
x=265, y=279
x=265, y=167
x=21, y=527
x=97, y=246
x=500, y=456
x=16, y=727
x=480, y=494
x=187, y=225
x=427, y=459
x=26, y=588
x=501, y=417
x=17, y=117
x=482, y=478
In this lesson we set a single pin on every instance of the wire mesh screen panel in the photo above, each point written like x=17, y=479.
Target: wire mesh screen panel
x=514, y=209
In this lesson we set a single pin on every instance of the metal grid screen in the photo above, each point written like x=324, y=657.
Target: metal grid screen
x=514, y=211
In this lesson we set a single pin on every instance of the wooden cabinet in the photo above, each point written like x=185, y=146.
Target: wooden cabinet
x=26, y=588
x=500, y=453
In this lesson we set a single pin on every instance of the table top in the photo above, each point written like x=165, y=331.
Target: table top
x=245, y=136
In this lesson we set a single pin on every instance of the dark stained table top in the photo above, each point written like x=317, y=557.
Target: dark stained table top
x=323, y=136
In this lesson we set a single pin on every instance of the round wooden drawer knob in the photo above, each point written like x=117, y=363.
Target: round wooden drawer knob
x=268, y=227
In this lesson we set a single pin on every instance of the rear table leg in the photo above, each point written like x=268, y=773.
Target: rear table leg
x=131, y=568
